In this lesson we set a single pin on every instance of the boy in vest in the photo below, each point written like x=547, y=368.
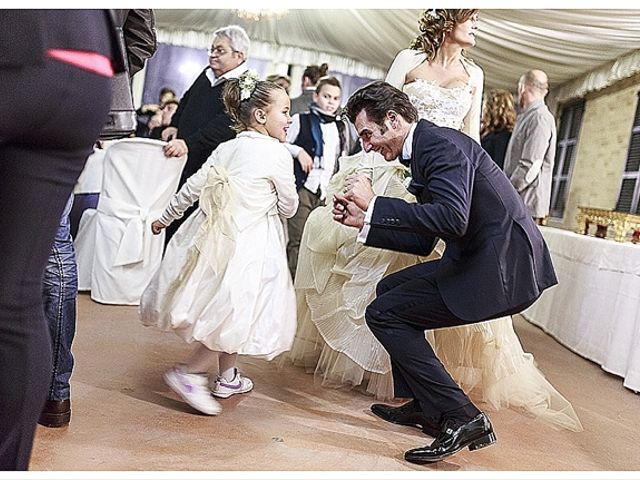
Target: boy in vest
x=317, y=138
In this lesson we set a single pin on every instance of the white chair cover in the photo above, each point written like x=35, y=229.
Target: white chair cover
x=116, y=252
x=84, y=243
x=90, y=180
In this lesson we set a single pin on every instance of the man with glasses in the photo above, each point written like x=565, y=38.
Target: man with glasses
x=200, y=124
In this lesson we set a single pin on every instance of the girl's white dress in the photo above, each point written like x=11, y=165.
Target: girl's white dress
x=224, y=280
x=336, y=280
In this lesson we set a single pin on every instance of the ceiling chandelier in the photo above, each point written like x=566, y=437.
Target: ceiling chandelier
x=257, y=14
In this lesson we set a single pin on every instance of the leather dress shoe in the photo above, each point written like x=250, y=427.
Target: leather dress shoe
x=56, y=413
x=408, y=414
x=475, y=434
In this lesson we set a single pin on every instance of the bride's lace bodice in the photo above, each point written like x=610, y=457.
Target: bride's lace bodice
x=446, y=107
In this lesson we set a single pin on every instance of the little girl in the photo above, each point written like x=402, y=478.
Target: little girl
x=224, y=282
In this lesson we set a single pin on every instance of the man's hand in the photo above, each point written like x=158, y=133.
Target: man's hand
x=176, y=148
x=157, y=226
x=306, y=162
x=357, y=189
x=347, y=213
x=169, y=133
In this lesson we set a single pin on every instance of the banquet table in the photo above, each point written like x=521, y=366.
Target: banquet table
x=595, y=308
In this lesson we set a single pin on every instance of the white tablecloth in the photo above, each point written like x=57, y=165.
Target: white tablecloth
x=595, y=308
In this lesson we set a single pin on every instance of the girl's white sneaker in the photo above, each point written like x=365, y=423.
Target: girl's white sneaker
x=239, y=384
x=193, y=389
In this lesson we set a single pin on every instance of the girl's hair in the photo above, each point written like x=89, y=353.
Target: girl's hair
x=435, y=24
x=314, y=72
x=240, y=110
x=499, y=112
x=333, y=81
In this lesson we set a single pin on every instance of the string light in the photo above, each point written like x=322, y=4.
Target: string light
x=257, y=14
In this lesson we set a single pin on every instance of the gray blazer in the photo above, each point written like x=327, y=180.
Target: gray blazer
x=530, y=156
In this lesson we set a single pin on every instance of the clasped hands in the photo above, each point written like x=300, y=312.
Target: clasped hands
x=350, y=207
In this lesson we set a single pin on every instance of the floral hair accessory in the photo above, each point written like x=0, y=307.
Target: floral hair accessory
x=248, y=82
x=433, y=14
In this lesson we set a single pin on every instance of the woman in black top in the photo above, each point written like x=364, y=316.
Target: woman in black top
x=498, y=119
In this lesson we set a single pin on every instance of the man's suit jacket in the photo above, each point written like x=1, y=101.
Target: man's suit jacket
x=496, y=259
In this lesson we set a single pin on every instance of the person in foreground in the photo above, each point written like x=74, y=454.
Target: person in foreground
x=223, y=282
x=496, y=262
x=56, y=72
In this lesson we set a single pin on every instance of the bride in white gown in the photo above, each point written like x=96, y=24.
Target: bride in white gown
x=337, y=276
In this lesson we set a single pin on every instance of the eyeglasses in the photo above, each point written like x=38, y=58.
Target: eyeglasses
x=219, y=51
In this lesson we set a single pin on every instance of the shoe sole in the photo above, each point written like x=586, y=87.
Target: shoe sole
x=482, y=442
x=55, y=420
x=488, y=439
x=227, y=395
x=173, y=384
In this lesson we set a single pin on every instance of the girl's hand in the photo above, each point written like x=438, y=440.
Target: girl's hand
x=306, y=162
x=157, y=226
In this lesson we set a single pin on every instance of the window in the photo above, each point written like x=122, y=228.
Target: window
x=629, y=197
x=570, y=123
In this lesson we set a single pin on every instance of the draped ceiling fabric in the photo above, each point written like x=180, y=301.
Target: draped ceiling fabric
x=580, y=50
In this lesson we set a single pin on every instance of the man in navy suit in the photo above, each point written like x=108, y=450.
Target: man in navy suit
x=496, y=262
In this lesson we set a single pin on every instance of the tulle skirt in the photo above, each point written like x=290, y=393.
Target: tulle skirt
x=238, y=299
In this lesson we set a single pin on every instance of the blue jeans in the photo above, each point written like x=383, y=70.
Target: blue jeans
x=59, y=291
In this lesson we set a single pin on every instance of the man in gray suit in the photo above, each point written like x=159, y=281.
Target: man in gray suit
x=532, y=147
